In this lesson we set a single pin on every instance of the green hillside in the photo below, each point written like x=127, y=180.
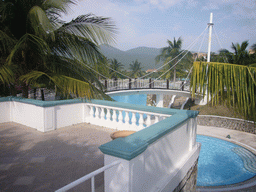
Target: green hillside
x=144, y=55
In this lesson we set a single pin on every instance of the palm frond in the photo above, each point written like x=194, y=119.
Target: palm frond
x=31, y=41
x=76, y=47
x=99, y=30
x=6, y=43
x=6, y=74
x=67, y=85
x=39, y=22
x=235, y=84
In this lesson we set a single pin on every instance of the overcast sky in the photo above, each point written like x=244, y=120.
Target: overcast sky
x=151, y=22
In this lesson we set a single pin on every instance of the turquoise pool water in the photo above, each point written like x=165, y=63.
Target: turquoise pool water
x=220, y=162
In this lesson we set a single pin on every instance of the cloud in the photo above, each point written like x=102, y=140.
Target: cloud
x=191, y=4
x=177, y=27
x=245, y=9
x=211, y=6
x=162, y=4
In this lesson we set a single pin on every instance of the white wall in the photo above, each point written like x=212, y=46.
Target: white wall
x=69, y=114
x=27, y=114
x=42, y=118
x=160, y=167
x=5, y=111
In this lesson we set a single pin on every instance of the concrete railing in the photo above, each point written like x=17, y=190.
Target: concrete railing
x=50, y=115
x=155, y=158
x=120, y=116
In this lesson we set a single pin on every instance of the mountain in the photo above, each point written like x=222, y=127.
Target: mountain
x=144, y=55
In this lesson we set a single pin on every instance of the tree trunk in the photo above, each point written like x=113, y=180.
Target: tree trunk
x=174, y=74
x=25, y=91
x=13, y=90
x=42, y=94
x=34, y=93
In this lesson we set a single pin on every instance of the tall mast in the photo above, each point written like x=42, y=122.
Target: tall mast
x=210, y=39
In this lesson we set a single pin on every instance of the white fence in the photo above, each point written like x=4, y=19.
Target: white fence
x=120, y=118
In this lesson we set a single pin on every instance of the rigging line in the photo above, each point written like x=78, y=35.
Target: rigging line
x=192, y=44
x=187, y=77
x=200, y=46
x=226, y=59
x=190, y=47
x=180, y=58
x=170, y=67
x=95, y=71
x=164, y=72
x=117, y=71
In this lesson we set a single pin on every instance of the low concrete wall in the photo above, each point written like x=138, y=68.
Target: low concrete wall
x=226, y=122
x=156, y=158
x=41, y=115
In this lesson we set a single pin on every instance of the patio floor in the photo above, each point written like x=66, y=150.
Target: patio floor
x=35, y=161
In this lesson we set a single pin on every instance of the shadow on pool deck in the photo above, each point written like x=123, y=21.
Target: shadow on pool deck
x=35, y=161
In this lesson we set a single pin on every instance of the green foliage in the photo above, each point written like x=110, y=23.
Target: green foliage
x=172, y=54
x=240, y=55
x=115, y=68
x=136, y=69
x=234, y=84
x=48, y=51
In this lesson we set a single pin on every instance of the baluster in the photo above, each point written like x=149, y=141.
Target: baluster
x=120, y=117
x=148, y=121
x=133, y=119
x=108, y=116
x=126, y=119
x=102, y=114
x=91, y=114
x=141, y=121
x=97, y=112
x=114, y=115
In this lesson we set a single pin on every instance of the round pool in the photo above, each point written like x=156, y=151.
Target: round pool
x=220, y=162
x=223, y=163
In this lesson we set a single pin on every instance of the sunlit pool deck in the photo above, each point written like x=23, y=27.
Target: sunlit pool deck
x=34, y=161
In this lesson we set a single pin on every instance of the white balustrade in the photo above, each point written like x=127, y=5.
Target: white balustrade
x=120, y=118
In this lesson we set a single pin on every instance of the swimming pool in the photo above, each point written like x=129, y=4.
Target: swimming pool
x=220, y=162
x=223, y=163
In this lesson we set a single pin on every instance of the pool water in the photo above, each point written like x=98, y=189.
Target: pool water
x=219, y=165
x=132, y=99
x=220, y=162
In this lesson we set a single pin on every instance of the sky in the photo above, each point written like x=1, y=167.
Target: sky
x=150, y=23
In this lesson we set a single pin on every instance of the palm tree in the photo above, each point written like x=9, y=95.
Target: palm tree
x=173, y=52
x=115, y=68
x=38, y=48
x=136, y=69
x=241, y=55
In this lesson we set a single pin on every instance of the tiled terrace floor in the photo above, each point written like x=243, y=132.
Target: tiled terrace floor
x=35, y=161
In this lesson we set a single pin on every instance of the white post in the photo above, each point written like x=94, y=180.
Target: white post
x=160, y=100
x=210, y=39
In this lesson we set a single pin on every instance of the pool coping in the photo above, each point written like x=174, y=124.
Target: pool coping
x=237, y=186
